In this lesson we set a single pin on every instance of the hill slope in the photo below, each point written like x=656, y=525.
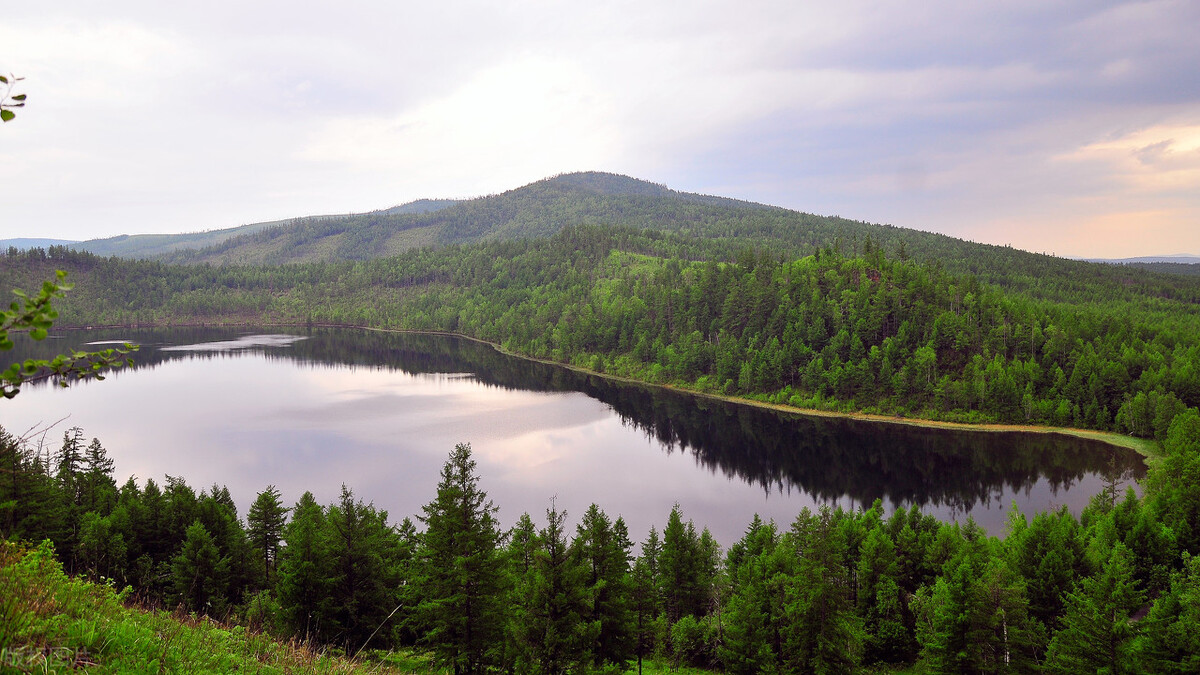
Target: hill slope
x=158, y=245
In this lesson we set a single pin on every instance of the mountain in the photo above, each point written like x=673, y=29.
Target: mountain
x=160, y=245
x=24, y=243
x=707, y=227
x=536, y=210
x=1179, y=258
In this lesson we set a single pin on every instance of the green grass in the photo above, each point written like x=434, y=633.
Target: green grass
x=50, y=622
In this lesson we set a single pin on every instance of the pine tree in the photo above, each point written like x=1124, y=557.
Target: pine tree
x=264, y=524
x=562, y=634
x=198, y=573
x=1097, y=634
x=304, y=577
x=365, y=585
x=599, y=550
x=99, y=490
x=459, y=575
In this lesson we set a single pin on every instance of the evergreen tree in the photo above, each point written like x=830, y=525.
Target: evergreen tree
x=31, y=507
x=1169, y=641
x=99, y=490
x=562, y=634
x=881, y=602
x=101, y=548
x=459, y=578
x=598, y=549
x=754, y=619
x=264, y=525
x=824, y=634
x=643, y=610
x=199, y=573
x=304, y=579
x=975, y=615
x=365, y=585
x=520, y=625
x=1097, y=633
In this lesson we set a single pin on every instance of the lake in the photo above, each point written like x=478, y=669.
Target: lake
x=312, y=409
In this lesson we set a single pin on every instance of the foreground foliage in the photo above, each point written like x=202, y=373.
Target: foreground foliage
x=1116, y=589
x=50, y=622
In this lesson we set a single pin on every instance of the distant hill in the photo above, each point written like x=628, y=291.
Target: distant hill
x=25, y=243
x=712, y=227
x=1188, y=265
x=159, y=245
x=719, y=227
x=1181, y=259
x=536, y=210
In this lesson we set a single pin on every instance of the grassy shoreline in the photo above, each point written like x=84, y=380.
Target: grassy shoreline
x=1145, y=447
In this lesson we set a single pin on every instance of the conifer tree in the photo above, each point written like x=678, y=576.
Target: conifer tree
x=99, y=490
x=643, y=610
x=1169, y=641
x=304, y=576
x=264, y=525
x=365, y=583
x=459, y=579
x=562, y=633
x=199, y=573
x=1097, y=633
x=599, y=550
x=520, y=638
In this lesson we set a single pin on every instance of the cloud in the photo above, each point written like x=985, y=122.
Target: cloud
x=969, y=118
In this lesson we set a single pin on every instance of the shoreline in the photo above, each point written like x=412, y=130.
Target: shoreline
x=1145, y=447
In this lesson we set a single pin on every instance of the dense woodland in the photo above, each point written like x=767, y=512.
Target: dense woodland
x=1115, y=590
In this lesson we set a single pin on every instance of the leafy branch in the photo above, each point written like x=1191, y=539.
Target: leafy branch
x=7, y=100
x=35, y=315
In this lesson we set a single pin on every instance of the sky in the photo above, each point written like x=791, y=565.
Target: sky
x=1053, y=126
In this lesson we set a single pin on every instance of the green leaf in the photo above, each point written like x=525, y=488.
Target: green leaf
x=6, y=115
x=3, y=79
x=19, y=97
x=38, y=333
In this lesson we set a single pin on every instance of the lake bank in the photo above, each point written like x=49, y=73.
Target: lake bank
x=1147, y=448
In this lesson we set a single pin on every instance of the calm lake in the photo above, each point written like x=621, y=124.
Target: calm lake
x=311, y=409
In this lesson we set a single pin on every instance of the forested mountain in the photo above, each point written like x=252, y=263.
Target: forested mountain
x=24, y=243
x=718, y=228
x=160, y=245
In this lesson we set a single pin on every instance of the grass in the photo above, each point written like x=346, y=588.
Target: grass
x=50, y=622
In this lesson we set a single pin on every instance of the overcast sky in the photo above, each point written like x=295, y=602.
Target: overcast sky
x=1056, y=126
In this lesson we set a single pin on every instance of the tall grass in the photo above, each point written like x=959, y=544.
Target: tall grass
x=50, y=622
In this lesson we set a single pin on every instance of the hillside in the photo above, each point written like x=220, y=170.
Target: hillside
x=715, y=227
x=25, y=243
x=159, y=245
x=51, y=622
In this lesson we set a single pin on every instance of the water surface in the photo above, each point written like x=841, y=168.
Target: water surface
x=313, y=409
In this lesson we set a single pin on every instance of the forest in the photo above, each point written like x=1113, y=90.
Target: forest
x=1115, y=590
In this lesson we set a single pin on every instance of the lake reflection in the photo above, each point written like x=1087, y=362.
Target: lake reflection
x=312, y=409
